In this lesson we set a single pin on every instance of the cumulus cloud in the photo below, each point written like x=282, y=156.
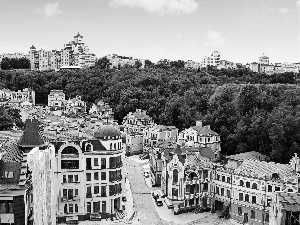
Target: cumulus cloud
x=50, y=10
x=161, y=7
x=214, y=38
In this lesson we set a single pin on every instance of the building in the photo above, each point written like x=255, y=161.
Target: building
x=74, y=53
x=200, y=136
x=56, y=98
x=286, y=208
x=263, y=60
x=18, y=98
x=102, y=110
x=190, y=64
x=225, y=64
x=137, y=121
x=90, y=176
x=75, y=105
x=159, y=133
x=213, y=60
x=134, y=143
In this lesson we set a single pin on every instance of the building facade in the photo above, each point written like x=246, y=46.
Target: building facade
x=213, y=60
x=20, y=97
x=90, y=176
x=56, y=98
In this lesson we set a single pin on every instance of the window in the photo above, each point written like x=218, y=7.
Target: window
x=269, y=188
x=70, y=193
x=247, y=184
x=103, y=175
x=175, y=192
x=228, y=180
x=76, y=192
x=217, y=190
x=96, y=207
x=240, y=211
x=223, y=178
x=254, y=186
x=76, y=208
x=252, y=214
x=70, y=208
x=241, y=197
x=88, y=148
x=88, y=163
x=222, y=191
x=76, y=178
x=254, y=199
x=64, y=179
x=104, y=207
x=70, y=164
x=247, y=198
x=241, y=183
x=228, y=193
x=96, y=189
x=70, y=178
x=175, y=176
x=65, y=193
x=88, y=177
x=267, y=217
x=96, y=163
x=66, y=208
x=103, y=191
x=277, y=188
x=96, y=176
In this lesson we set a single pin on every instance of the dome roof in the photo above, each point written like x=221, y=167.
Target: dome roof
x=107, y=131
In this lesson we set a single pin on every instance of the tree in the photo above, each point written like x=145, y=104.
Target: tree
x=15, y=63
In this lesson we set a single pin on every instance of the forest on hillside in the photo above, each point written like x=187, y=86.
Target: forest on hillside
x=251, y=111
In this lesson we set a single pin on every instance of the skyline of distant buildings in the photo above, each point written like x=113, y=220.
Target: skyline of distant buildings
x=75, y=54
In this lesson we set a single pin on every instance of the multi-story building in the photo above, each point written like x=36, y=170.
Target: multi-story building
x=159, y=134
x=213, y=60
x=263, y=60
x=19, y=97
x=56, y=98
x=74, y=53
x=90, y=176
x=137, y=121
x=200, y=136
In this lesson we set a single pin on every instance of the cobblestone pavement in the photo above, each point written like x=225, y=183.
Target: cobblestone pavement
x=146, y=212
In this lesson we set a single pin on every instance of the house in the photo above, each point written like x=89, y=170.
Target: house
x=56, y=98
x=200, y=136
x=102, y=110
x=75, y=105
x=137, y=121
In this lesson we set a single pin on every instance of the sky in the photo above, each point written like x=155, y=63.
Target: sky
x=242, y=30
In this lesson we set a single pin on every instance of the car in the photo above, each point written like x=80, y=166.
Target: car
x=158, y=202
x=169, y=203
x=146, y=174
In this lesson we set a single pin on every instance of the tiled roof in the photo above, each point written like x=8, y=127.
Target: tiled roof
x=13, y=152
x=204, y=130
x=248, y=155
x=169, y=152
x=262, y=168
x=31, y=136
x=289, y=201
x=97, y=145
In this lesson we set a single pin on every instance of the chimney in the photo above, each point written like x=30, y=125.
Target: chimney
x=199, y=123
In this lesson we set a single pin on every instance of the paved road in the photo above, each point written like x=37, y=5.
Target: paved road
x=146, y=212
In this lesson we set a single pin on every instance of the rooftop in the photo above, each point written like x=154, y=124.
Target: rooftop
x=253, y=155
x=31, y=136
x=289, y=201
x=204, y=130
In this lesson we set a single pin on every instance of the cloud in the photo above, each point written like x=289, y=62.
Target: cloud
x=214, y=38
x=50, y=10
x=161, y=7
x=280, y=10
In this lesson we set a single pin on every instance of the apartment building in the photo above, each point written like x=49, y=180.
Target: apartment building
x=90, y=176
x=212, y=60
x=74, y=53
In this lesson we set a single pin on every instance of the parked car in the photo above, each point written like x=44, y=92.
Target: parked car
x=155, y=194
x=169, y=203
x=158, y=202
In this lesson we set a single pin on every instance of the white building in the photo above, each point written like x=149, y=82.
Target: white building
x=212, y=60
x=56, y=98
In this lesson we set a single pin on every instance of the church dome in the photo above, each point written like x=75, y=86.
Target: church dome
x=106, y=131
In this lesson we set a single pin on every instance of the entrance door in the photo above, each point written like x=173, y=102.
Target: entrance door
x=245, y=217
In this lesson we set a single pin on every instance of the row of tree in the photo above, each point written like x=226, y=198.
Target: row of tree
x=251, y=111
x=15, y=63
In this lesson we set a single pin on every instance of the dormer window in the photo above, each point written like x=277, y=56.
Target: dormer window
x=88, y=148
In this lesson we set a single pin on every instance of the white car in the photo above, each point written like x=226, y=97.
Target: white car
x=146, y=174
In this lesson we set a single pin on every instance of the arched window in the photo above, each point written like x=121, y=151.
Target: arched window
x=69, y=150
x=110, y=146
x=175, y=175
x=254, y=186
x=88, y=148
x=241, y=183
